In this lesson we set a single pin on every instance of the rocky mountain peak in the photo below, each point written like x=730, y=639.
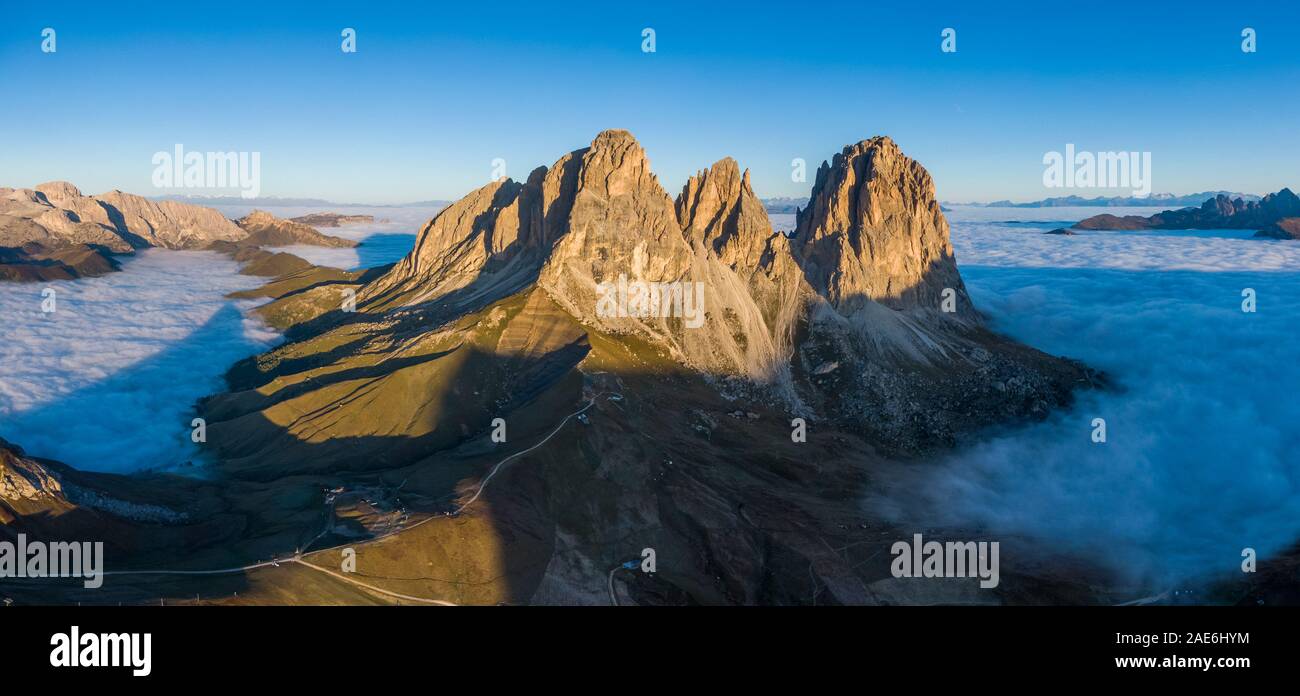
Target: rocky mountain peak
x=265, y=229
x=257, y=217
x=718, y=207
x=706, y=280
x=709, y=193
x=617, y=165
x=621, y=223
x=873, y=231
x=58, y=191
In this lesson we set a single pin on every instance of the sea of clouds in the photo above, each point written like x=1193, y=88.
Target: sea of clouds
x=108, y=381
x=1202, y=457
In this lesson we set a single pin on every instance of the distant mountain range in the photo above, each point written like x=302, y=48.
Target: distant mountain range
x=784, y=204
x=271, y=201
x=1156, y=199
x=1276, y=215
x=54, y=232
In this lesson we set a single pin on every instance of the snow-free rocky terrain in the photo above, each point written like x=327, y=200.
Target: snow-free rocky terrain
x=371, y=429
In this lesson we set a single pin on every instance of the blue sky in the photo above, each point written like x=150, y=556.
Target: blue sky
x=434, y=94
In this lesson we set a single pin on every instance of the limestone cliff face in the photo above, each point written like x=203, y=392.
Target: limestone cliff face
x=457, y=247
x=57, y=213
x=595, y=224
x=488, y=244
x=873, y=231
x=621, y=223
x=861, y=316
x=722, y=216
x=717, y=288
x=167, y=224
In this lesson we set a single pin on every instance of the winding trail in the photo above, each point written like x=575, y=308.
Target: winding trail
x=298, y=556
x=613, y=597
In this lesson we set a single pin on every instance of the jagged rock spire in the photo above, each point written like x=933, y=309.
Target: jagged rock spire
x=873, y=231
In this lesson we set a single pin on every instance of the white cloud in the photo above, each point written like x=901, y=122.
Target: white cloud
x=108, y=381
x=1203, y=450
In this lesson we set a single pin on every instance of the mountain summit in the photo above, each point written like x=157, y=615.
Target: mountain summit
x=860, y=318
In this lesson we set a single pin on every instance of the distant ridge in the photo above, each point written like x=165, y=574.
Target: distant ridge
x=271, y=201
x=1157, y=199
x=1275, y=215
x=785, y=205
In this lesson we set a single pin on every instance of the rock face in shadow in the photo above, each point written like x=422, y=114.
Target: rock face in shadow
x=34, y=261
x=488, y=244
x=256, y=261
x=1216, y=213
x=265, y=229
x=1286, y=228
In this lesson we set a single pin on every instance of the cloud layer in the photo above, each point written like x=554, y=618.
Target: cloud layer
x=107, y=382
x=1202, y=457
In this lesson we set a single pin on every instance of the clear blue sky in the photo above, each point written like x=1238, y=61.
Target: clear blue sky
x=435, y=93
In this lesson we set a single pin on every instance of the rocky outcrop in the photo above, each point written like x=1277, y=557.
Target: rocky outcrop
x=332, y=219
x=166, y=224
x=53, y=232
x=873, y=231
x=760, y=280
x=26, y=486
x=1220, y=212
x=489, y=244
x=34, y=261
x=58, y=192
x=27, y=215
x=265, y=229
x=1286, y=228
x=623, y=234
x=256, y=261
